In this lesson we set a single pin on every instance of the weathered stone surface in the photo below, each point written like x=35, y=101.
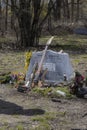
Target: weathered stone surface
x=58, y=65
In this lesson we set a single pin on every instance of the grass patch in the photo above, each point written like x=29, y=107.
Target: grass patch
x=52, y=92
x=70, y=42
x=63, y=89
x=20, y=127
x=3, y=128
x=38, y=118
x=50, y=115
x=4, y=40
x=42, y=91
x=43, y=126
x=12, y=61
x=44, y=121
x=62, y=114
x=76, y=61
x=47, y=117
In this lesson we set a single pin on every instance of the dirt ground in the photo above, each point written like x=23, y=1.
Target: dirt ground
x=21, y=111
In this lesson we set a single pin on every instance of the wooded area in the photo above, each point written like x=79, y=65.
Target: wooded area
x=27, y=18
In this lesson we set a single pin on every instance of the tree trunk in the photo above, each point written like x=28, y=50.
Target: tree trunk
x=67, y=10
x=24, y=30
x=72, y=10
x=64, y=11
x=0, y=14
x=49, y=23
x=58, y=9
x=77, y=17
x=6, y=17
x=30, y=31
x=12, y=18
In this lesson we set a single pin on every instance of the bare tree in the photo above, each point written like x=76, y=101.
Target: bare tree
x=28, y=13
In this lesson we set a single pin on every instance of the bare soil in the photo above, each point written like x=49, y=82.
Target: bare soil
x=31, y=111
x=19, y=108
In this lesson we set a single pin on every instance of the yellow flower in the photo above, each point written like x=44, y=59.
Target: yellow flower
x=27, y=59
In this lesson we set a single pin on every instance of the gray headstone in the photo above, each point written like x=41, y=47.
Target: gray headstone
x=58, y=65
